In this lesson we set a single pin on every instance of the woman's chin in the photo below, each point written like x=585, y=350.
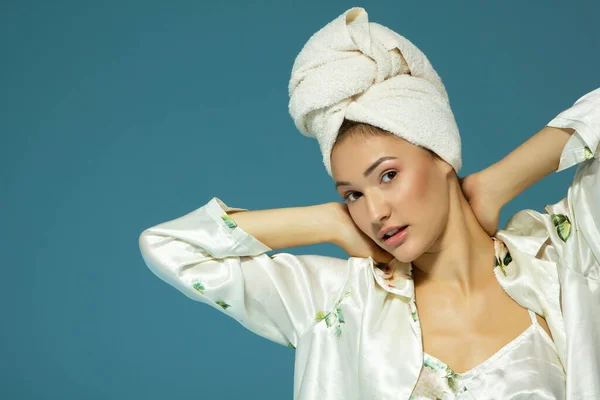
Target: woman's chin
x=403, y=253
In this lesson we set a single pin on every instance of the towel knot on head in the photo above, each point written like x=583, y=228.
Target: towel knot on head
x=362, y=71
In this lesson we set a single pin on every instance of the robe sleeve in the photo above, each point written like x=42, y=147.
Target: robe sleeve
x=208, y=258
x=584, y=118
x=575, y=223
x=581, y=217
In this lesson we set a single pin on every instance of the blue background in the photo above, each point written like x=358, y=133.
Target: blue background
x=118, y=115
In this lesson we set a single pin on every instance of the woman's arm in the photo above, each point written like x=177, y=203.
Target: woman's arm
x=531, y=161
x=573, y=136
x=280, y=228
x=289, y=227
x=490, y=189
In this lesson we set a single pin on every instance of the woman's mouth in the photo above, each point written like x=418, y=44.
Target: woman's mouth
x=397, y=238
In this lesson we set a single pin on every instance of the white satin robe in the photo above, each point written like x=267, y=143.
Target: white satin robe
x=350, y=323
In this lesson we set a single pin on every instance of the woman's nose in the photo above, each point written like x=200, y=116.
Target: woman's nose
x=378, y=208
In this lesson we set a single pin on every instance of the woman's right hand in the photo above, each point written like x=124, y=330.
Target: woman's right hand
x=354, y=241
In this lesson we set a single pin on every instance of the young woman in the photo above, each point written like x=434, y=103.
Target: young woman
x=505, y=314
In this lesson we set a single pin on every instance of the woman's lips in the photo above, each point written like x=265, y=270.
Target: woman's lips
x=398, y=238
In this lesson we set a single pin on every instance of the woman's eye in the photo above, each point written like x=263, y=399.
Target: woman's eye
x=390, y=173
x=347, y=197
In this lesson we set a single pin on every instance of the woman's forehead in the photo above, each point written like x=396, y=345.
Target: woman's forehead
x=366, y=149
x=357, y=156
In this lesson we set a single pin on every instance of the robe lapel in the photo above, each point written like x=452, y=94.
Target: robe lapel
x=391, y=351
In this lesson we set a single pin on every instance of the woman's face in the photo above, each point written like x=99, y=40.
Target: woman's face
x=387, y=181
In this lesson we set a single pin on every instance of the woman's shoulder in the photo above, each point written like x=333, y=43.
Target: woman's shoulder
x=534, y=232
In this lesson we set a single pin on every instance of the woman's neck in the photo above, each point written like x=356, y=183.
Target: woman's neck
x=462, y=257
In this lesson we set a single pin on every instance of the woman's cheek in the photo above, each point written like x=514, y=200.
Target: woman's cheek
x=417, y=185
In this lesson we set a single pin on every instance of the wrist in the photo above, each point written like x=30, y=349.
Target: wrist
x=496, y=187
x=336, y=220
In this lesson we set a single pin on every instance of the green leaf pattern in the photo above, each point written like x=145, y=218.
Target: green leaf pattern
x=223, y=304
x=412, y=307
x=563, y=225
x=320, y=315
x=502, y=257
x=199, y=286
x=588, y=153
x=335, y=317
x=228, y=221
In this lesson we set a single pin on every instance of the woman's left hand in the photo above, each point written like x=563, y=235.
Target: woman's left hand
x=483, y=203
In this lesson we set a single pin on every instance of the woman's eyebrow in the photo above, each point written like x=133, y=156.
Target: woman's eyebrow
x=368, y=170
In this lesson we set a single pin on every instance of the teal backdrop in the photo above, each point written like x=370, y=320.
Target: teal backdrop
x=118, y=115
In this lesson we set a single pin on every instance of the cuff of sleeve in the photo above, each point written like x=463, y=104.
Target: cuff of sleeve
x=584, y=118
x=579, y=147
x=245, y=244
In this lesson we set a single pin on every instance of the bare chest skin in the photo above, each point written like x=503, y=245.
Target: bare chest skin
x=463, y=333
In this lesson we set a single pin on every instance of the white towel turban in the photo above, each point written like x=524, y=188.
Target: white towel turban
x=364, y=72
